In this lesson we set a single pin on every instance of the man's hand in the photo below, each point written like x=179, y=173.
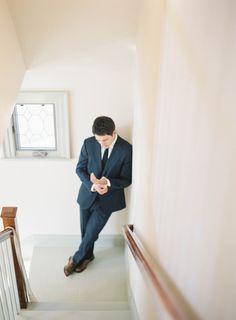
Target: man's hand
x=101, y=189
x=100, y=185
x=94, y=180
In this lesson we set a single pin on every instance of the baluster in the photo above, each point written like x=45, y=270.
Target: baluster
x=1, y=304
x=12, y=278
x=4, y=292
x=9, y=220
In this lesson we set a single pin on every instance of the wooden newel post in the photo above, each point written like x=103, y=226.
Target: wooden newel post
x=8, y=216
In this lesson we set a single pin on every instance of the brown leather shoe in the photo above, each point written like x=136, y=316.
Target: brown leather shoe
x=83, y=265
x=70, y=267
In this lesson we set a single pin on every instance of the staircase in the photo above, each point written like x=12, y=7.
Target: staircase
x=99, y=292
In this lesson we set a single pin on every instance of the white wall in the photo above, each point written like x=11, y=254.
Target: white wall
x=69, y=51
x=11, y=67
x=189, y=224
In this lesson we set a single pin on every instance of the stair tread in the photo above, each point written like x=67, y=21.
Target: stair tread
x=103, y=280
x=81, y=306
x=75, y=315
x=98, y=293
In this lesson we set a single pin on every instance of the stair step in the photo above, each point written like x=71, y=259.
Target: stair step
x=98, y=293
x=104, y=279
x=80, y=306
x=72, y=311
x=75, y=315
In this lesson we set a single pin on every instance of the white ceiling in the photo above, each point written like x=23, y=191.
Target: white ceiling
x=55, y=29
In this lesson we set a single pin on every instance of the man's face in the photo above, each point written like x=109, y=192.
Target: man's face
x=105, y=141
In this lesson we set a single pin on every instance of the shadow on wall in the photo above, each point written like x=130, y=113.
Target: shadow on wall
x=125, y=132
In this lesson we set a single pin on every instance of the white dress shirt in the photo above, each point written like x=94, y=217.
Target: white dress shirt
x=110, y=148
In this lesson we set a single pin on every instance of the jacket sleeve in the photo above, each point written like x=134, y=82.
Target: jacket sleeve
x=82, y=168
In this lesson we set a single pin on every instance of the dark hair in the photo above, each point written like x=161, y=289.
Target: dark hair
x=103, y=126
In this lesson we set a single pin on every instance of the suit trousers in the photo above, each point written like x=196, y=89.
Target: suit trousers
x=92, y=221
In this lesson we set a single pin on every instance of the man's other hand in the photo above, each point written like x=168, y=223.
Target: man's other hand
x=101, y=189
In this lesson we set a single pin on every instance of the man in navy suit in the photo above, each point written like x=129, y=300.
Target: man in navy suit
x=105, y=169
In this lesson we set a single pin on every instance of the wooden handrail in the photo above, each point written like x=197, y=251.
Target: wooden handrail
x=158, y=283
x=8, y=216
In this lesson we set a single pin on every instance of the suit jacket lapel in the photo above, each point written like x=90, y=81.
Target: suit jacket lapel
x=113, y=156
x=97, y=156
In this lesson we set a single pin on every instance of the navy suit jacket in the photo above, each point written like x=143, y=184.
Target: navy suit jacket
x=118, y=170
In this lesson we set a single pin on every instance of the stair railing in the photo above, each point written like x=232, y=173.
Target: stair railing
x=9, y=298
x=15, y=291
x=160, y=288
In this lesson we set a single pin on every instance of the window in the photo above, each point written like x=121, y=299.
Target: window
x=39, y=126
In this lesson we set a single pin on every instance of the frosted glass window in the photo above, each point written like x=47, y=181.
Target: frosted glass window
x=39, y=126
x=35, y=126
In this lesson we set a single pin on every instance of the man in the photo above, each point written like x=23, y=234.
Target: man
x=105, y=169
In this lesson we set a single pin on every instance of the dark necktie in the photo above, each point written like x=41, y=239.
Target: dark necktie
x=104, y=158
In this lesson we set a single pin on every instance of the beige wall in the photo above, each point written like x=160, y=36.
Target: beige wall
x=11, y=67
x=187, y=217
x=183, y=200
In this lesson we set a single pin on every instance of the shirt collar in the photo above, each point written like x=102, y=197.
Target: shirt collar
x=113, y=143
x=110, y=147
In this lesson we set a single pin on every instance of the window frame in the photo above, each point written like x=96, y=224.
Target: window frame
x=60, y=101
